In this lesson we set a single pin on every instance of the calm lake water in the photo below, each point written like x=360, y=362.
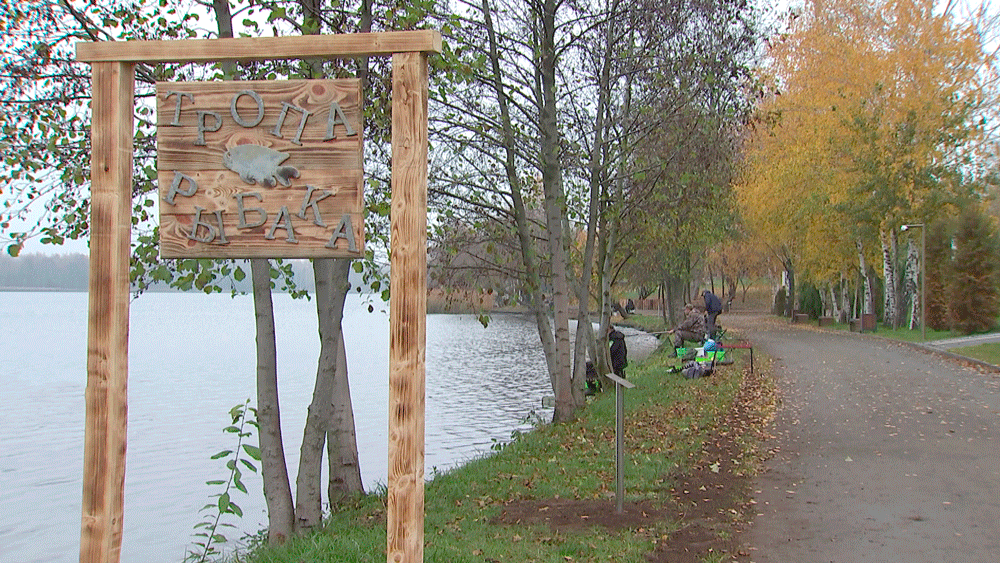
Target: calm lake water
x=191, y=359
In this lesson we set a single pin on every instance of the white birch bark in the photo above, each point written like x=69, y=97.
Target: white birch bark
x=888, y=241
x=910, y=283
x=866, y=305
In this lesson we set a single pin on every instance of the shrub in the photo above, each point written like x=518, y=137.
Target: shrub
x=779, y=302
x=810, y=301
x=974, y=296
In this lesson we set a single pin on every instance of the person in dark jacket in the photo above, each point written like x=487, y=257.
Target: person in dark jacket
x=712, y=309
x=619, y=352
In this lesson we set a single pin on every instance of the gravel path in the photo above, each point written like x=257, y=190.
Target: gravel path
x=883, y=452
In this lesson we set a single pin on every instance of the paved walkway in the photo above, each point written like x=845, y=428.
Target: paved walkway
x=963, y=341
x=884, y=452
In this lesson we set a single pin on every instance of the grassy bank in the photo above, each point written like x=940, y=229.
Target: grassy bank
x=989, y=353
x=548, y=495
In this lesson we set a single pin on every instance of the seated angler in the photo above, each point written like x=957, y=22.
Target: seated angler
x=691, y=329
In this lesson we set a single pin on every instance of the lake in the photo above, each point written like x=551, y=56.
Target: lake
x=191, y=359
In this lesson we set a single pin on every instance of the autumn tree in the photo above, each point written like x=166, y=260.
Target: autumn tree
x=874, y=118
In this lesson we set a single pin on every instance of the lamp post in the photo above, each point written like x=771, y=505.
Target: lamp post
x=923, y=276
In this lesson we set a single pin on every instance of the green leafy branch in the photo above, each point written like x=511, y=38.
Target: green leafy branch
x=243, y=415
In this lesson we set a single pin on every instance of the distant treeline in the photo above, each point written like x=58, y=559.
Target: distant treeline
x=70, y=272
x=67, y=272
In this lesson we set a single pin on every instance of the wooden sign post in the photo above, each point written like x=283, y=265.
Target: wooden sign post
x=113, y=66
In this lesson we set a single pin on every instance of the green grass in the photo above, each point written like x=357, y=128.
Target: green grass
x=912, y=335
x=668, y=418
x=989, y=353
x=902, y=333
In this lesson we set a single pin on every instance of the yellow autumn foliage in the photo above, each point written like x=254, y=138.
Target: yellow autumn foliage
x=874, y=119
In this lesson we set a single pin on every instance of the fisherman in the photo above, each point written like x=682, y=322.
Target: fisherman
x=691, y=329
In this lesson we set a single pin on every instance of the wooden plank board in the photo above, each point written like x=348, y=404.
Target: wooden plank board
x=262, y=48
x=260, y=169
x=407, y=310
x=107, y=329
x=620, y=381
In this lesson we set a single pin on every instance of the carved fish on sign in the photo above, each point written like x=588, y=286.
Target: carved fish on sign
x=255, y=163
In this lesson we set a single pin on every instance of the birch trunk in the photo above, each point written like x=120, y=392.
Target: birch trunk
x=910, y=284
x=866, y=305
x=845, y=295
x=834, y=304
x=790, y=275
x=891, y=313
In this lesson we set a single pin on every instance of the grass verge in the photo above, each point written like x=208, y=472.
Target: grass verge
x=989, y=353
x=548, y=495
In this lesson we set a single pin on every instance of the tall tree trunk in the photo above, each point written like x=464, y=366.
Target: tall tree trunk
x=274, y=470
x=555, y=209
x=834, y=302
x=846, y=293
x=331, y=285
x=910, y=284
x=790, y=274
x=330, y=419
x=598, y=187
x=532, y=281
x=341, y=439
x=344, y=466
x=891, y=313
x=867, y=304
x=609, y=240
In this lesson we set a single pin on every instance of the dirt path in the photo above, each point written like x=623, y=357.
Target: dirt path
x=884, y=453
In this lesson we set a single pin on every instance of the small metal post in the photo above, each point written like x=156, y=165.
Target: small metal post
x=620, y=385
x=619, y=438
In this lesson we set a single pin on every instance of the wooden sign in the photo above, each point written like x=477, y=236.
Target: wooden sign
x=264, y=169
x=113, y=65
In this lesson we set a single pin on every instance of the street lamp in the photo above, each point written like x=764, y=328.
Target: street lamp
x=923, y=276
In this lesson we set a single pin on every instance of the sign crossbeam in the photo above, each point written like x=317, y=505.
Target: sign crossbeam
x=345, y=46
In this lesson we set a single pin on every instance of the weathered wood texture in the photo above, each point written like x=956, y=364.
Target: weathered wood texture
x=262, y=48
x=107, y=338
x=334, y=166
x=407, y=309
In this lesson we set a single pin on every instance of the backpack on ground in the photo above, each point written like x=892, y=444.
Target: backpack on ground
x=695, y=369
